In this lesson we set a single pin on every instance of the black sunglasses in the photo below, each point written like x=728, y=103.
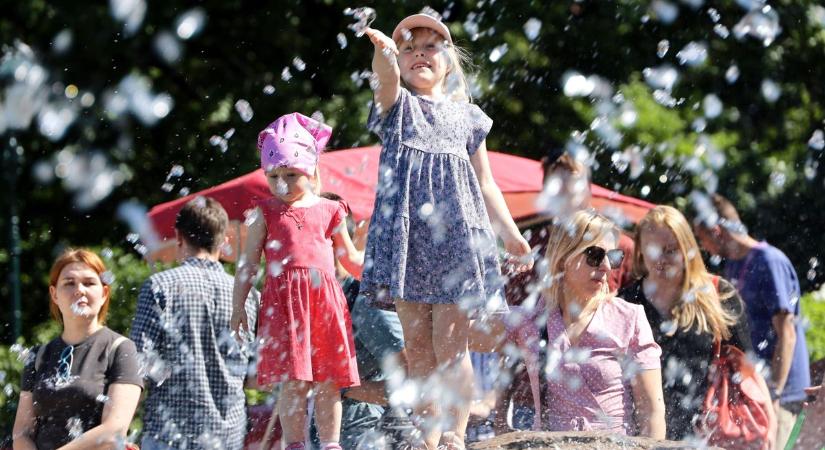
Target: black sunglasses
x=595, y=255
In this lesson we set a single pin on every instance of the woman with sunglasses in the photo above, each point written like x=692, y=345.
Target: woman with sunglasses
x=80, y=390
x=686, y=311
x=601, y=363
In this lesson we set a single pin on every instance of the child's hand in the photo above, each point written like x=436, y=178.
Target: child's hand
x=239, y=323
x=382, y=42
x=518, y=251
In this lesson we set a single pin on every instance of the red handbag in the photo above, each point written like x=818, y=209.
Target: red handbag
x=736, y=412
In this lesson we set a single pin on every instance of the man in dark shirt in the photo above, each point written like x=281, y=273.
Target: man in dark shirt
x=768, y=284
x=194, y=365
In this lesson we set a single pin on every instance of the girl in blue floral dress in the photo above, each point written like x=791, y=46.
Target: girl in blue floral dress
x=431, y=250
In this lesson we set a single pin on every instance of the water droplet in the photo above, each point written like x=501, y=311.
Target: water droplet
x=532, y=28
x=576, y=84
x=662, y=48
x=770, y=90
x=693, y=54
x=714, y=15
x=220, y=142
x=62, y=42
x=661, y=77
x=712, y=106
x=721, y=30
x=130, y=12
x=244, y=109
x=342, y=40
x=645, y=191
x=498, y=52
x=107, y=277
x=299, y=64
x=760, y=23
x=732, y=74
x=364, y=16
x=269, y=89
x=664, y=11
x=167, y=47
x=817, y=140
x=286, y=75
x=190, y=23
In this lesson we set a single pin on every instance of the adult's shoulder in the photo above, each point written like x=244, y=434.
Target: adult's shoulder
x=620, y=308
x=772, y=254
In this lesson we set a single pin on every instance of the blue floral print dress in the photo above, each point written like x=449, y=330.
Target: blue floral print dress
x=430, y=238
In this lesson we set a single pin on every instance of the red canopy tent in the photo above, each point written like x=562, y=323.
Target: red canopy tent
x=353, y=174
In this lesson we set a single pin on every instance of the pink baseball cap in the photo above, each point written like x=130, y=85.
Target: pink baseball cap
x=294, y=141
x=421, y=21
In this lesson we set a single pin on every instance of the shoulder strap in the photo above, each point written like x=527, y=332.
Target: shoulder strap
x=38, y=360
x=117, y=343
x=112, y=351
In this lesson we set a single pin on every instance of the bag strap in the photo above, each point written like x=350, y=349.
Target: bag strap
x=38, y=360
x=717, y=343
x=117, y=342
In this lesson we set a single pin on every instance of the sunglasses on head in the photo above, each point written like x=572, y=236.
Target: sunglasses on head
x=595, y=255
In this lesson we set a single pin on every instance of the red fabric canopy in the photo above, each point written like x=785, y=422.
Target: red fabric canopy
x=353, y=174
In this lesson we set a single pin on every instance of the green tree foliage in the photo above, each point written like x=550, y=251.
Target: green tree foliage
x=766, y=165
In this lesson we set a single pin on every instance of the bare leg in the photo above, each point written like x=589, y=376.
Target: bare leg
x=293, y=410
x=328, y=411
x=417, y=324
x=489, y=335
x=451, y=330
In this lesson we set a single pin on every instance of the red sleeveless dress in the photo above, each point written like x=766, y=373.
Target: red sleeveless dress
x=304, y=322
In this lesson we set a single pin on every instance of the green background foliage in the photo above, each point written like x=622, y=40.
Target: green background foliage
x=766, y=168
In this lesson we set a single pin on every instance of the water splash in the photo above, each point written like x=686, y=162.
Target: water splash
x=817, y=140
x=770, y=90
x=130, y=12
x=693, y=54
x=244, y=110
x=190, y=23
x=661, y=77
x=664, y=11
x=532, y=28
x=662, y=48
x=364, y=17
x=761, y=24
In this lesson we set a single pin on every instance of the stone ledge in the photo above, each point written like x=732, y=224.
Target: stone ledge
x=541, y=440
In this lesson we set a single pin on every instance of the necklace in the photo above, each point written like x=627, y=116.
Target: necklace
x=296, y=214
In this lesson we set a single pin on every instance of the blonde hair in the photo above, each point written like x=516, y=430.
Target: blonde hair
x=569, y=238
x=700, y=302
x=455, y=82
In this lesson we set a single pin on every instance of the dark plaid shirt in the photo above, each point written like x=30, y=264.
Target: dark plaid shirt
x=194, y=367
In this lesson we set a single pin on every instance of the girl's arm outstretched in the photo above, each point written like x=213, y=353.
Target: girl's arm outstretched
x=248, y=264
x=502, y=221
x=385, y=68
x=350, y=257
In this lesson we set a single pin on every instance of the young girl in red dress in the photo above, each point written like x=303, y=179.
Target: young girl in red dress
x=304, y=322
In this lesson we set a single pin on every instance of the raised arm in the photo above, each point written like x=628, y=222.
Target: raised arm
x=248, y=264
x=385, y=68
x=502, y=221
